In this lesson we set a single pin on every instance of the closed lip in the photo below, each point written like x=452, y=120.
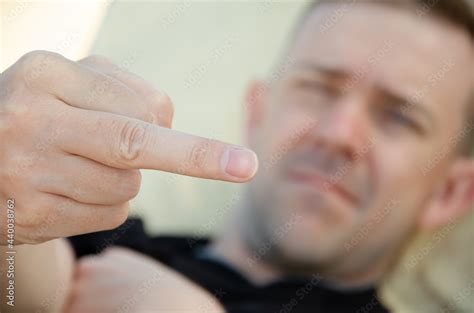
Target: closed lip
x=322, y=184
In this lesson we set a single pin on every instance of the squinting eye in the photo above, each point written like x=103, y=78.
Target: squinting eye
x=319, y=87
x=397, y=116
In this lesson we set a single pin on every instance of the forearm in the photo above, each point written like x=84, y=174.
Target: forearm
x=42, y=277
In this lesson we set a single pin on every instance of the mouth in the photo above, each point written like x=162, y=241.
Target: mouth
x=322, y=185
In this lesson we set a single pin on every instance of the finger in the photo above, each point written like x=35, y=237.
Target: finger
x=122, y=142
x=81, y=87
x=66, y=217
x=88, y=182
x=156, y=100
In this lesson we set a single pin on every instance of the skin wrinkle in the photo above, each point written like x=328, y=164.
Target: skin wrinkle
x=345, y=122
x=466, y=147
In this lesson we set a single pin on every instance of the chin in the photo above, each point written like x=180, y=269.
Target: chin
x=305, y=226
x=314, y=242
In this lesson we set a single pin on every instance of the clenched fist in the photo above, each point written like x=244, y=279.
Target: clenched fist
x=73, y=136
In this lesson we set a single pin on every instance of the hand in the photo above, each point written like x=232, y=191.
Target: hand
x=73, y=136
x=120, y=281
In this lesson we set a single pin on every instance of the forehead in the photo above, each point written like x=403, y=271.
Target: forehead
x=393, y=47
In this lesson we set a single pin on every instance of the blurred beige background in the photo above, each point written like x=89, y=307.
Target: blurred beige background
x=204, y=53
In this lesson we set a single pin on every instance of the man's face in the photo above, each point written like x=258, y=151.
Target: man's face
x=350, y=132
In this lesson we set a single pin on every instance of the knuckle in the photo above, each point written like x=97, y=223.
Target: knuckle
x=199, y=155
x=163, y=99
x=34, y=58
x=160, y=107
x=132, y=141
x=35, y=64
x=165, y=104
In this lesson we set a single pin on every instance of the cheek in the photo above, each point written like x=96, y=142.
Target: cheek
x=400, y=184
x=283, y=129
x=399, y=167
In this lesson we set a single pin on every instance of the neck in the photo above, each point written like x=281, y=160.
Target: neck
x=230, y=247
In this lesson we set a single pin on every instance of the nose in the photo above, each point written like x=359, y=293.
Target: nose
x=344, y=127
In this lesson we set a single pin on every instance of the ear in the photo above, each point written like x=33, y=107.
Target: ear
x=255, y=107
x=454, y=197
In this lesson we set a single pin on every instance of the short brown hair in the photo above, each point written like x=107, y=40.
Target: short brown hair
x=457, y=12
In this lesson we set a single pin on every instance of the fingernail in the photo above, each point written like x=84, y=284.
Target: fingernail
x=239, y=162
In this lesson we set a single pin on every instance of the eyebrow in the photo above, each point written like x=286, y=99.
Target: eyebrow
x=395, y=99
x=331, y=71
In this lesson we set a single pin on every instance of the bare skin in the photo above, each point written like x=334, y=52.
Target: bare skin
x=73, y=136
x=362, y=131
x=335, y=123
x=121, y=280
x=349, y=139
x=73, y=152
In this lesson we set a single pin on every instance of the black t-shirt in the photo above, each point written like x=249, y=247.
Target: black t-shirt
x=234, y=291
